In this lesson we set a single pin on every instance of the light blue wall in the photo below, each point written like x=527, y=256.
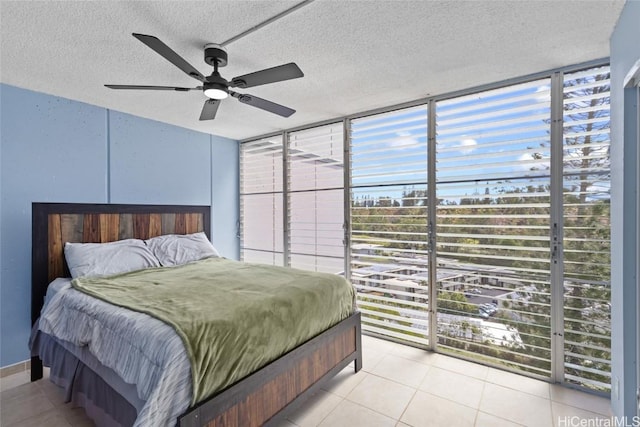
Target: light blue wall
x=225, y=215
x=178, y=172
x=53, y=149
x=625, y=51
x=58, y=150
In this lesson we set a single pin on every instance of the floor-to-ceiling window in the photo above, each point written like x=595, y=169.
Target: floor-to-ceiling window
x=261, y=196
x=477, y=224
x=389, y=225
x=586, y=185
x=315, y=198
x=493, y=154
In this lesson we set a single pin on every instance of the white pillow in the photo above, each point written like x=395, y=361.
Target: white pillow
x=105, y=259
x=178, y=249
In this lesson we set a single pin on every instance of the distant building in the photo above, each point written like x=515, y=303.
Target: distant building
x=366, y=249
x=404, y=289
x=451, y=280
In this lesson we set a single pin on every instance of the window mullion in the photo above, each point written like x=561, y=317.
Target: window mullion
x=286, y=215
x=431, y=222
x=556, y=229
x=346, y=147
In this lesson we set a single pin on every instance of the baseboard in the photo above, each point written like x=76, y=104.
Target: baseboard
x=5, y=371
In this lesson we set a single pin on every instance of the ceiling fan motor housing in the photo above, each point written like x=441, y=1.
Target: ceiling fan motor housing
x=215, y=53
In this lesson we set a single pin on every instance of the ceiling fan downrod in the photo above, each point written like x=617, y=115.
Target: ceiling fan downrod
x=215, y=55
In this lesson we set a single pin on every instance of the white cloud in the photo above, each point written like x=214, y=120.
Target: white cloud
x=470, y=144
x=531, y=163
x=404, y=139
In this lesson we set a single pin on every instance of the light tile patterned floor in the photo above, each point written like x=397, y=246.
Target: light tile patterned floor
x=398, y=386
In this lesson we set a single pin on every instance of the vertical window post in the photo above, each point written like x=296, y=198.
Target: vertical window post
x=556, y=229
x=431, y=224
x=286, y=212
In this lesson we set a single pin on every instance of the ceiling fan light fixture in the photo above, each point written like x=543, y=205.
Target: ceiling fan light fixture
x=216, y=91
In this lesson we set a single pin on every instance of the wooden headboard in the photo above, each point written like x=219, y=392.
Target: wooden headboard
x=53, y=224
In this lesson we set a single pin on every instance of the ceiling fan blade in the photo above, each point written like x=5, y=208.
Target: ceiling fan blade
x=179, y=89
x=269, y=106
x=168, y=54
x=209, y=109
x=270, y=75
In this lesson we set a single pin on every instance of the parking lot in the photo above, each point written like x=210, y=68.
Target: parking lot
x=487, y=295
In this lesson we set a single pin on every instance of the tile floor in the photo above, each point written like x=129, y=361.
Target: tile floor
x=398, y=386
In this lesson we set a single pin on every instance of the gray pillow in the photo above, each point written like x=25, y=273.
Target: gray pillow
x=178, y=249
x=105, y=259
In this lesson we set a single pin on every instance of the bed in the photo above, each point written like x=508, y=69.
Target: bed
x=260, y=398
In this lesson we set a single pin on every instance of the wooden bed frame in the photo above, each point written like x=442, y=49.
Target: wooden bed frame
x=263, y=397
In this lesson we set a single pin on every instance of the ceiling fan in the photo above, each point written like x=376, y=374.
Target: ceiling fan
x=216, y=87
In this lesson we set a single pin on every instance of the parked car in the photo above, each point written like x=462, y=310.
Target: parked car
x=483, y=313
x=489, y=308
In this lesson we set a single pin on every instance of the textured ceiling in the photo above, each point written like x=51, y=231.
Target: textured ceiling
x=356, y=55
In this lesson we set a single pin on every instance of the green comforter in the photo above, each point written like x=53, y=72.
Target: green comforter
x=233, y=317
